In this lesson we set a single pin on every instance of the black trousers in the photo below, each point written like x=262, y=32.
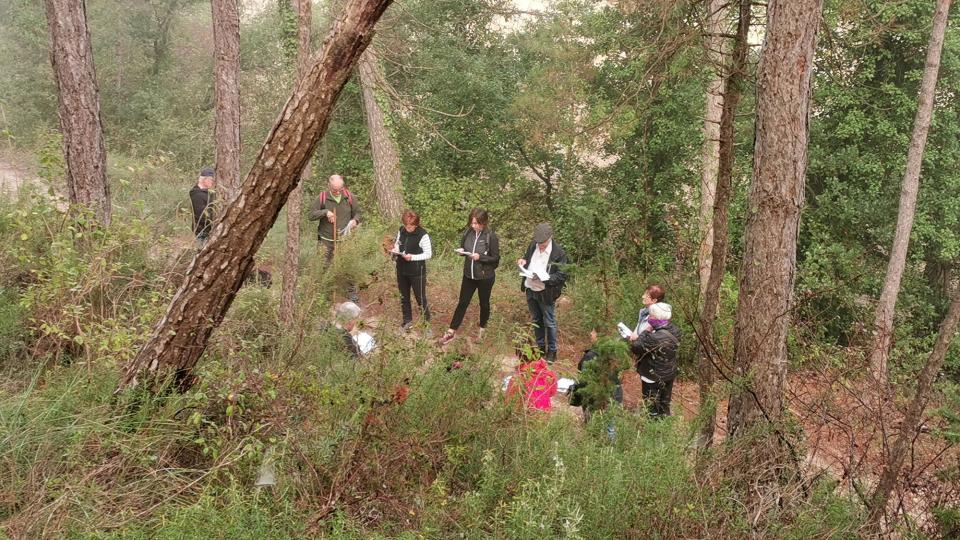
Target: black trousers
x=417, y=283
x=657, y=397
x=467, y=288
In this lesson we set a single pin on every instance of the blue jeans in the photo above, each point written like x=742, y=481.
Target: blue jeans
x=544, y=317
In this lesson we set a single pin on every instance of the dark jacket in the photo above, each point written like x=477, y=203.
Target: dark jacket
x=554, y=285
x=345, y=212
x=409, y=243
x=656, y=353
x=350, y=343
x=488, y=246
x=202, y=201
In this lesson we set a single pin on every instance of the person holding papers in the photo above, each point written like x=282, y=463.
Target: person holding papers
x=656, y=352
x=653, y=295
x=543, y=278
x=358, y=343
x=480, y=249
x=412, y=249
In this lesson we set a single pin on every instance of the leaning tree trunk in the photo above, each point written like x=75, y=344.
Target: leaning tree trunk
x=773, y=216
x=82, y=130
x=217, y=271
x=909, y=429
x=386, y=158
x=733, y=89
x=291, y=266
x=710, y=154
x=226, y=87
x=883, y=322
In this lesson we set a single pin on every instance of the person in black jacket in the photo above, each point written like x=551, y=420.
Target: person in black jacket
x=411, y=250
x=202, y=200
x=656, y=352
x=480, y=249
x=543, y=280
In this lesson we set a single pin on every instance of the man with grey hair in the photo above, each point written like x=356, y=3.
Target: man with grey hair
x=347, y=315
x=338, y=213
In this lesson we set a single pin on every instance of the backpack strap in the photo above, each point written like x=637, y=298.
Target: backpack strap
x=323, y=196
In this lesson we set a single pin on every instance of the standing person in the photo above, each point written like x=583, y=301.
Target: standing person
x=656, y=352
x=412, y=249
x=338, y=213
x=480, y=249
x=652, y=295
x=202, y=200
x=542, y=266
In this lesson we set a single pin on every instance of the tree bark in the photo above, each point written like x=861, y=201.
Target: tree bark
x=226, y=87
x=710, y=154
x=733, y=89
x=163, y=15
x=911, y=421
x=386, y=157
x=291, y=267
x=773, y=215
x=79, y=106
x=883, y=322
x=217, y=271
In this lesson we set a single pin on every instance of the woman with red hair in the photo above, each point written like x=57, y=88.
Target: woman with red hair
x=412, y=249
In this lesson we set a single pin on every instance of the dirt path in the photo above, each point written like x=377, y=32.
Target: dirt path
x=16, y=174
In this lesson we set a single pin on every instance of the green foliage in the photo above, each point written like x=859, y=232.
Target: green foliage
x=445, y=203
x=948, y=521
x=225, y=513
x=588, y=116
x=866, y=89
x=13, y=335
x=600, y=376
x=90, y=292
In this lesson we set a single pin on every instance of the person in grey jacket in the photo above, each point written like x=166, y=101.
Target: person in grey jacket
x=480, y=249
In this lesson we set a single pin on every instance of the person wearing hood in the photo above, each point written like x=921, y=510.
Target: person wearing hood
x=656, y=352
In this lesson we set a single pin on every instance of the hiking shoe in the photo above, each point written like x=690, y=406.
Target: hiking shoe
x=447, y=337
x=480, y=333
x=551, y=357
x=405, y=327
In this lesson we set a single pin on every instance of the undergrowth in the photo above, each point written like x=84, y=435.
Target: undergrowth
x=408, y=442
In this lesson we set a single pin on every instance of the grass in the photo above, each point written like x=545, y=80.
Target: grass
x=395, y=445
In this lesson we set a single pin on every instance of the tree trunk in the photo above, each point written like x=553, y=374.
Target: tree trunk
x=217, y=271
x=911, y=421
x=710, y=155
x=773, y=216
x=724, y=181
x=386, y=158
x=883, y=322
x=291, y=267
x=79, y=106
x=226, y=87
x=163, y=15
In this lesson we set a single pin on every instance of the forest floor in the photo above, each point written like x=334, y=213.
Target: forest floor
x=847, y=426
x=16, y=173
